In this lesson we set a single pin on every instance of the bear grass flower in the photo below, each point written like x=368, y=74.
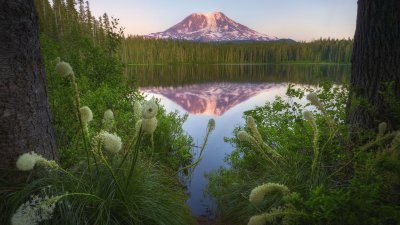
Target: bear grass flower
x=35, y=211
x=244, y=136
x=86, y=114
x=108, y=119
x=257, y=220
x=314, y=100
x=64, y=69
x=111, y=142
x=137, y=109
x=149, y=125
x=308, y=116
x=149, y=109
x=27, y=161
x=382, y=129
x=108, y=115
x=258, y=193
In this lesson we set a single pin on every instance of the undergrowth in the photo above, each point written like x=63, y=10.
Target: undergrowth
x=324, y=177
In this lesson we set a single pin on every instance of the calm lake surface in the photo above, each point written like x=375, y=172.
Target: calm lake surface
x=223, y=92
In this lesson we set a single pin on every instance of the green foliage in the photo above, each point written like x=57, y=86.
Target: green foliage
x=138, y=50
x=139, y=185
x=102, y=183
x=350, y=185
x=153, y=196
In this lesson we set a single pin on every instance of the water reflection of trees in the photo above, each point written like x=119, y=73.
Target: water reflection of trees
x=180, y=75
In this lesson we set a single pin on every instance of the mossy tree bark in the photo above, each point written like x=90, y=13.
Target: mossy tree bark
x=375, y=66
x=25, y=117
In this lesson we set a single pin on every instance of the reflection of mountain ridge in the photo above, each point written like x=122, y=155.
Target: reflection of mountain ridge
x=211, y=98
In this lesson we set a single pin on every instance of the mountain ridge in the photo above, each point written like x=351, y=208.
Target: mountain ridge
x=210, y=27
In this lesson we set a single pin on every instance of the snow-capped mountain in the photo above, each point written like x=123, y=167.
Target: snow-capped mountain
x=211, y=98
x=211, y=27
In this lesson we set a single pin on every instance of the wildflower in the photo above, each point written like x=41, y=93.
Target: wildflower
x=308, y=116
x=211, y=125
x=27, y=161
x=35, y=211
x=382, y=129
x=257, y=220
x=313, y=98
x=244, y=136
x=64, y=69
x=149, y=125
x=86, y=114
x=108, y=115
x=257, y=194
x=137, y=109
x=108, y=119
x=112, y=142
x=149, y=109
x=251, y=124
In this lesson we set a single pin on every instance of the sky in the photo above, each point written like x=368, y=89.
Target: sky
x=301, y=20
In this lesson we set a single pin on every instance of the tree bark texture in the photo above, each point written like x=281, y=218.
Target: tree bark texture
x=375, y=64
x=25, y=117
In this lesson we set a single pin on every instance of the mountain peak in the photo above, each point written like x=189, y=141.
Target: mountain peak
x=211, y=27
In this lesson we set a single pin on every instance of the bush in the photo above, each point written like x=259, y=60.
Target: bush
x=330, y=179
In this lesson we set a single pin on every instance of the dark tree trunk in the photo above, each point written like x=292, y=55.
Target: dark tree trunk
x=25, y=117
x=375, y=65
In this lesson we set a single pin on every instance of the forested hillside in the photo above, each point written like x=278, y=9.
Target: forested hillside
x=137, y=50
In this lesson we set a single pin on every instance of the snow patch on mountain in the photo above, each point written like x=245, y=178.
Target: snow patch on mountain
x=211, y=27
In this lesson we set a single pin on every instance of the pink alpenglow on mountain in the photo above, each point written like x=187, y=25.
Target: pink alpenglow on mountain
x=211, y=27
x=212, y=98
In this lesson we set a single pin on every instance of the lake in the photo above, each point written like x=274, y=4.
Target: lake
x=223, y=92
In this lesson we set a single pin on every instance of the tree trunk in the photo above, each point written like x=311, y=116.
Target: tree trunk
x=25, y=117
x=375, y=66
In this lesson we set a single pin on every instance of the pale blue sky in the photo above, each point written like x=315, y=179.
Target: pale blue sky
x=297, y=19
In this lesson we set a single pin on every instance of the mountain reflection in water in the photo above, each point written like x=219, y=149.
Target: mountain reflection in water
x=225, y=103
x=223, y=93
x=212, y=98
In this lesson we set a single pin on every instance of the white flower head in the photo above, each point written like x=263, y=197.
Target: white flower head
x=108, y=119
x=27, y=161
x=112, y=142
x=244, y=136
x=382, y=128
x=64, y=69
x=313, y=98
x=258, y=193
x=257, y=220
x=86, y=114
x=35, y=211
x=250, y=122
x=308, y=116
x=150, y=109
x=137, y=109
x=149, y=125
x=108, y=115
